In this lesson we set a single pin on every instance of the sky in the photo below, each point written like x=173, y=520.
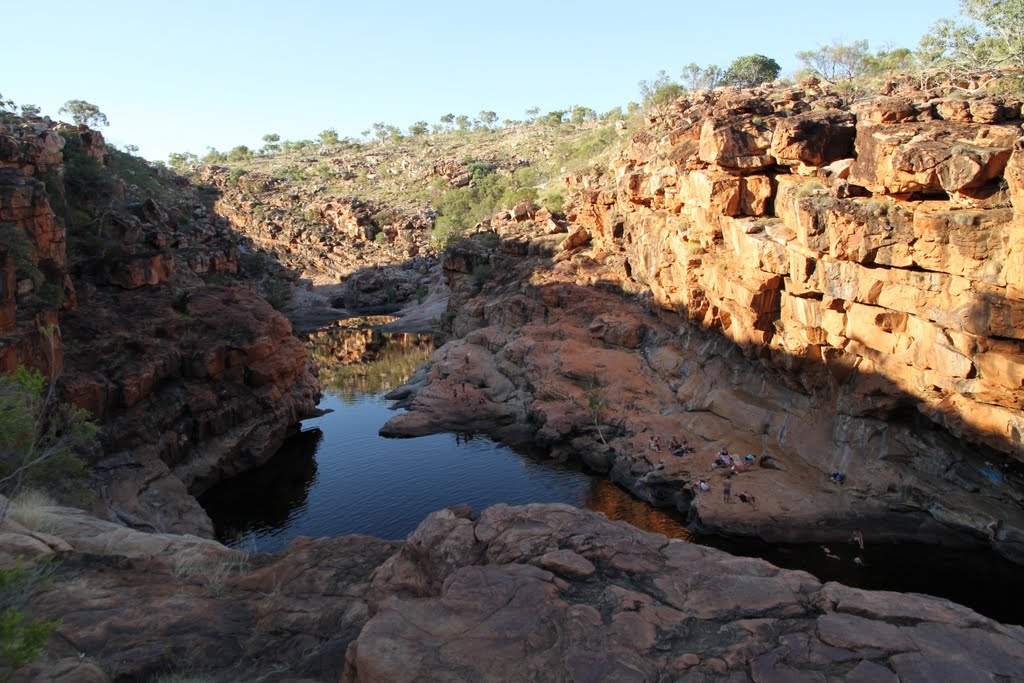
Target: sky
x=188, y=75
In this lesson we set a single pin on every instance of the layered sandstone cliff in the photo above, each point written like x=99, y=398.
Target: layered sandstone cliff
x=827, y=288
x=116, y=282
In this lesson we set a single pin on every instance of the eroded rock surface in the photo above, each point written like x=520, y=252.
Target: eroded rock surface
x=536, y=592
x=547, y=592
x=126, y=297
x=766, y=272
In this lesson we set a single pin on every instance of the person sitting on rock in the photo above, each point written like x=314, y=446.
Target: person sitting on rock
x=654, y=443
x=837, y=477
x=703, y=485
x=674, y=444
x=747, y=498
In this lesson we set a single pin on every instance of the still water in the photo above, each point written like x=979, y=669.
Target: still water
x=337, y=477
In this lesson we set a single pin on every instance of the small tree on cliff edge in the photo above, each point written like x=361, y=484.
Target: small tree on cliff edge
x=752, y=70
x=84, y=113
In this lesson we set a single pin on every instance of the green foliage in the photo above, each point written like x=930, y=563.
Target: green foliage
x=660, y=91
x=239, y=153
x=751, y=70
x=21, y=637
x=462, y=208
x=30, y=111
x=21, y=250
x=419, y=128
x=481, y=273
x=380, y=238
x=235, y=174
x=552, y=118
x=277, y=293
x=837, y=61
x=84, y=113
x=328, y=137
x=1004, y=19
x=580, y=154
x=86, y=183
x=41, y=438
x=179, y=161
x=707, y=78
x=271, y=145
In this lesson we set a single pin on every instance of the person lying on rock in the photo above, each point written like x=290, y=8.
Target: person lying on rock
x=747, y=498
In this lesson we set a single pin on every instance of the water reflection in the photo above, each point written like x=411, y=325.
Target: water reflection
x=339, y=477
x=356, y=363
x=265, y=499
x=617, y=504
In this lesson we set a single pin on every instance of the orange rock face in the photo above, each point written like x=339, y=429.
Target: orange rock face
x=189, y=382
x=839, y=290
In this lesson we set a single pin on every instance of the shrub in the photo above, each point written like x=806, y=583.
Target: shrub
x=235, y=174
x=41, y=438
x=22, y=637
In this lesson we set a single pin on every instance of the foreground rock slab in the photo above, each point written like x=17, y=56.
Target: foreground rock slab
x=552, y=593
x=528, y=593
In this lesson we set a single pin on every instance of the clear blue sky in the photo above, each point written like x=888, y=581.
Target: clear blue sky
x=185, y=75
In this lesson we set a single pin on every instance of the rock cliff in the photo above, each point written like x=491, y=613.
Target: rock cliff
x=117, y=282
x=827, y=288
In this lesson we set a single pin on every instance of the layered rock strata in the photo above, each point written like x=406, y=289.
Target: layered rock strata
x=126, y=297
x=829, y=290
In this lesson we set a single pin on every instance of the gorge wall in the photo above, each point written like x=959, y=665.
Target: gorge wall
x=117, y=283
x=771, y=272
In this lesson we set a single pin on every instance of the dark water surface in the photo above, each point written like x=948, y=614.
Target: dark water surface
x=339, y=477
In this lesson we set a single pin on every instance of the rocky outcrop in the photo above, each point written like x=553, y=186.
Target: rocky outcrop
x=545, y=592
x=538, y=592
x=766, y=272
x=126, y=296
x=322, y=236
x=138, y=606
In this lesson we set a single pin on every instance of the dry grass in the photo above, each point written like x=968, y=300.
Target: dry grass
x=32, y=510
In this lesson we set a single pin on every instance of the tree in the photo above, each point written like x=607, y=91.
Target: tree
x=131, y=149
x=40, y=437
x=419, y=128
x=487, y=118
x=271, y=145
x=30, y=111
x=552, y=118
x=1005, y=20
x=328, y=137
x=956, y=49
x=84, y=113
x=838, y=61
x=447, y=121
x=661, y=90
x=180, y=160
x=578, y=114
x=5, y=104
x=239, y=153
x=532, y=113
x=751, y=70
x=696, y=78
x=462, y=122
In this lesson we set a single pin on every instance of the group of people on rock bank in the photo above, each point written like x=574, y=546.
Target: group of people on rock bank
x=734, y=465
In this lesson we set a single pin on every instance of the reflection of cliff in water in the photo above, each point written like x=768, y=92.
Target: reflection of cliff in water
x=267, y=497
x=357, y=363
x=617, y=504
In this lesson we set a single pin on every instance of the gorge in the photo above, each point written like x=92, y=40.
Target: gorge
x=765, y=271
